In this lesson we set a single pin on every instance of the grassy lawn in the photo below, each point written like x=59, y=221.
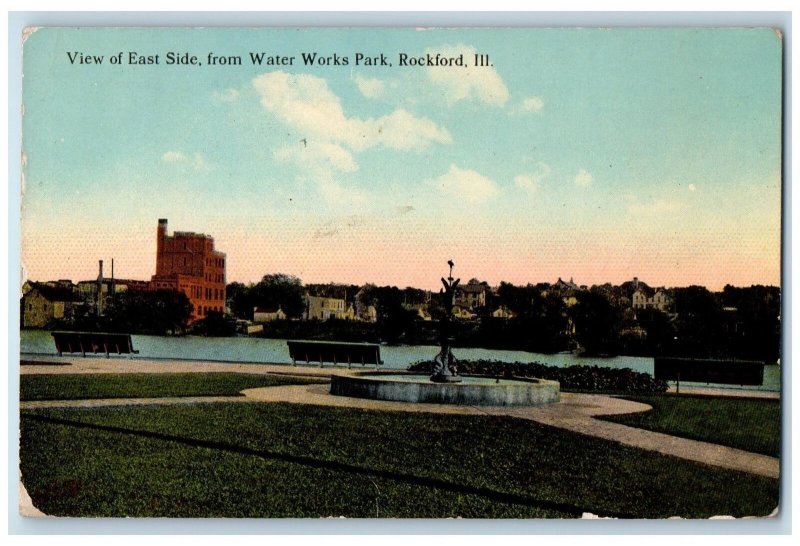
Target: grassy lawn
x=284, y=460
x=143, y=385
x=752, y=424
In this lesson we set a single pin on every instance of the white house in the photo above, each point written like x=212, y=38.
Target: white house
x=268, y=314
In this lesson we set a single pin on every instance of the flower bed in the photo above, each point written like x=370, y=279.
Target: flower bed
x=581, y=378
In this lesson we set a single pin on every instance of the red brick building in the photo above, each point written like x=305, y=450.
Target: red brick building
x=187, y=262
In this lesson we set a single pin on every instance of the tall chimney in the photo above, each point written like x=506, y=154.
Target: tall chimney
x=112, y=276
x=161, y=234
x=99, y=298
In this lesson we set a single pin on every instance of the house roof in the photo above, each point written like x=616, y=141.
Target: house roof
x=473, y=288
x=561, y=284
x=54, y=293
x=266, y=309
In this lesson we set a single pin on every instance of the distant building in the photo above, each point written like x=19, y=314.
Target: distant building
x=364, y=310
x=366, y=313
x=471, y=295
x=188, y=262
x=463, y=313
x=321, y=308
x=660, y=300
x=503, y=312
x=268, y=314
x=567, y=290
x=88, y=289
x=43, y=303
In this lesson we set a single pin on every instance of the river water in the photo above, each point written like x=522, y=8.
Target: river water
x=262, y=350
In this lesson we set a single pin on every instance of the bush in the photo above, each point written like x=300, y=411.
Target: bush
x=581, y=378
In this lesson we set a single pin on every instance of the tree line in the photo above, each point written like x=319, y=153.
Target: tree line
x=734, y=323
x=739, y=323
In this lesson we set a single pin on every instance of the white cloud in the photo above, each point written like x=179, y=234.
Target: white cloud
x=483, y=83
x=583, y=178
x=173, y=157
x=532, y=104
x=659, y=206
x=226, y=95
x=197, y=161
x=692, y=187
x=466, y=184
x=334, y=192
x=327, y=139
x=370, y=87
x=317, y=155
x=305, y=103
x=530, y=181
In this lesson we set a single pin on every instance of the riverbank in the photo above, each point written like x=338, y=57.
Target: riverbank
x=38, y=344
x=47, y=364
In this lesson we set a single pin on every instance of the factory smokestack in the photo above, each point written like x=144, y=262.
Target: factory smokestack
x=99, y=296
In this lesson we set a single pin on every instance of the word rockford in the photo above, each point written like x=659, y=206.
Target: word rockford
x=178, y=58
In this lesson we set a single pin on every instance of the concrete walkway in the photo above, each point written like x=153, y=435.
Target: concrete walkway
x=116, y=402
x=141, y=365
x=732, y=393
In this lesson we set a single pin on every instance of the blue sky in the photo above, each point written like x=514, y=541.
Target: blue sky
x=586, y=153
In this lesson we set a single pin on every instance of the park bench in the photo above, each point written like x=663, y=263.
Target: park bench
x=725, y=372
x=93, y=342
x=335, y=352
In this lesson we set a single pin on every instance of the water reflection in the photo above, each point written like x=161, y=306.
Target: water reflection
x=258, y=350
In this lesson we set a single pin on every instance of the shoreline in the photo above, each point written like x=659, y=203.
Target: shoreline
x=55, y=365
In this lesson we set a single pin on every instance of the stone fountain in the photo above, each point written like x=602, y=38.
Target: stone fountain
x=445, y=385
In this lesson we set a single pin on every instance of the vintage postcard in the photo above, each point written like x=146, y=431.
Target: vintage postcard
x=401, y=273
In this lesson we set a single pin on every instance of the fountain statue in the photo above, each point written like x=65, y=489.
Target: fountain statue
x=445, y=386
x=445, y=364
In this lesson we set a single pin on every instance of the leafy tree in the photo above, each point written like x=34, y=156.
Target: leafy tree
x=215, y=324
x=158, y=312
x=597, y=323
x=753, y=321
x=700, y=327
x=280, y=290
x=547, y=323
x=394, y=321
x=519, y=299
x=238, y=299
x=273, y=291
x=660, y=331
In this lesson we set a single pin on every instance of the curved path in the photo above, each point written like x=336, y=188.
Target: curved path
x=575, y=412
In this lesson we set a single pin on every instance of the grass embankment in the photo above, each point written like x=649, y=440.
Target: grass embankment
x=143, y=385
x=751, y=424
x=282, y=460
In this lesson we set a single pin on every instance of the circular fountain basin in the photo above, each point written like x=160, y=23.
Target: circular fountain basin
x=471, y=391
